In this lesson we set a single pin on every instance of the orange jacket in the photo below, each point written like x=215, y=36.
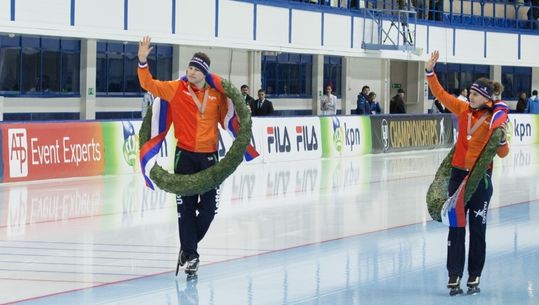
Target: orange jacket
x=466, y=151
x=194, y=132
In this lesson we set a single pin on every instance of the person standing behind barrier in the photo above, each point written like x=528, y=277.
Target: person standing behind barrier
x=396, y=105
x=522, y=103
x=328, y=102
x=474, y=119
x=463, y=96
x=262, y=106
x=147, y=101
x=196, y=111
x=249, y=100
x=363, y=101
x=533, y=14
x=374, y=105
x=533, y=103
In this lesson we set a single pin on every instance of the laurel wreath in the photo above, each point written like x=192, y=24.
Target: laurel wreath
x=437, y=193
x=212, y=177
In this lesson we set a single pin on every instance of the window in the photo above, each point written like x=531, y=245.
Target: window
x=332, y=73
x=70, y=66
x=116, y=67
x=516, y=80
x=39, y=66
x=454, y=77
x=287, y=75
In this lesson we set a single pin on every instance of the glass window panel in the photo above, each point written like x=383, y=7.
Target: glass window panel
x=287, y=77
x=453, y=67
x=71, y=45
x=526, y=71
x=306, y=59
x=50, y=44
x=133, y=48
x=114, y=47
x=9, y=69
x=282, y=58
x=6, y=41
x=164, y=51
x=101, y=73
x=115, y=68
x=483, y=69
x=269, y=58
x=164, y=67
x=294, y=58
x=50, y=81
x=31, y=66
x=101, y=47
x=507, y=82
x=466, y=80
x=71, y=73
x=130, y=73
x=452, y=82
x=31, y=42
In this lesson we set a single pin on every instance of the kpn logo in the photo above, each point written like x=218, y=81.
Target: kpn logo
x=345, y=136
x=338, y=134
x=18, y=152
x=130, y=147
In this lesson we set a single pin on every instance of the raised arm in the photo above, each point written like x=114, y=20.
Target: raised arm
x=452, y=103
x=163, y=89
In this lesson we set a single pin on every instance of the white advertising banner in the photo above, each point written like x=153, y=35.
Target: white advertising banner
x=287, y=139
x=523, y=129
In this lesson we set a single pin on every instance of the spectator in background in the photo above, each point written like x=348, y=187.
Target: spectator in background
x=497, y=91
x=422, y=8
x=522, y=102
x=533, y=103
x=328, y=102
x=439, y=106
x=436, y=12
x=463, y=95
x=147, y=101
x=396, y=105
x=374, y=105
x=249, y=100
x=262, y=106
x=363, y=101
x=533, y=14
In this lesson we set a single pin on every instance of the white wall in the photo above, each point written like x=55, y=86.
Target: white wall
x=239, y=30
x=196, y=25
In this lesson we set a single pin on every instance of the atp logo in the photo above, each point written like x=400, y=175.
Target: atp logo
x=18, y=152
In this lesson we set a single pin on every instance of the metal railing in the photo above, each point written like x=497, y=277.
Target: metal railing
x=389, y=29
x=503, y=14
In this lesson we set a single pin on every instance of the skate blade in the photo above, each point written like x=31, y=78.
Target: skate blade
x=177, y=269
x=456, y=292
x=473, y=291
x=192, y=277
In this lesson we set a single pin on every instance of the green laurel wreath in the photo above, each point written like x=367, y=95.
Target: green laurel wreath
x=437, y=193
x=212, y=177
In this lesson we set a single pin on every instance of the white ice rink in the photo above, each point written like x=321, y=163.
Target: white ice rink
x=341, y=231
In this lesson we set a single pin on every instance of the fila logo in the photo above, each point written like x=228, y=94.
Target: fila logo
x=279, y=142
x=18, y=152
x=305, y=140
